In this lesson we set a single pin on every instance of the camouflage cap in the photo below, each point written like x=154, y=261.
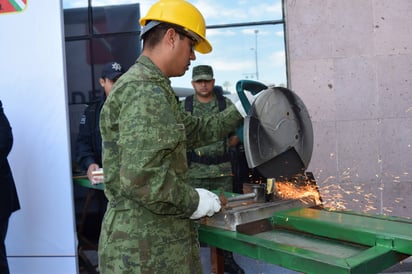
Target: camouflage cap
x=202, y=72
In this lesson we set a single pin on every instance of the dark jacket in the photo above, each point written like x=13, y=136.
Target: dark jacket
x=89, y=141
x=9, y=201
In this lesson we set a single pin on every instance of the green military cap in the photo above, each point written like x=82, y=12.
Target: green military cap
x=202, y=72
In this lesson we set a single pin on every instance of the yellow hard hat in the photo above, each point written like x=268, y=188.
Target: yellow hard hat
x=181, y=13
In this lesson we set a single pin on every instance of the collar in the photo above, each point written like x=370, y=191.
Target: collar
x=155, y=70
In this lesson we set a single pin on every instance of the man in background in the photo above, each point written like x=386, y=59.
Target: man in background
x=88, y=152
x=210, y=166
x=9, y=201
x=88, y=149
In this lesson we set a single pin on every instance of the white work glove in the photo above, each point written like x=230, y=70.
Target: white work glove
x=97, y=176
x=209, y=204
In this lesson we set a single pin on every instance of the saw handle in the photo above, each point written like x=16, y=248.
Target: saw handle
x=253, y=86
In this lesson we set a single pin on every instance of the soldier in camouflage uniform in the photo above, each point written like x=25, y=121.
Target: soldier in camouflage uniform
x=148, y=226
x=210, y=166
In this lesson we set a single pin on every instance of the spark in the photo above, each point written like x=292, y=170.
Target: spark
x=290, y=190
x=340, y=193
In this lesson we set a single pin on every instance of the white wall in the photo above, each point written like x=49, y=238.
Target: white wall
x=351, y=63
x=41, y=236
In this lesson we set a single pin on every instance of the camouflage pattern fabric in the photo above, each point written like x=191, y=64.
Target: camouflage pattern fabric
x=218, y=184
x=213, y=176
x=146, y=228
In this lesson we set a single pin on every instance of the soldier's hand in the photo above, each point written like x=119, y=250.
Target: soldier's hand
x=95, y=174
x=209, y=204
x=233, y=141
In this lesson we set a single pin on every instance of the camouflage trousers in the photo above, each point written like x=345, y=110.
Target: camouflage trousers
x=135, y=243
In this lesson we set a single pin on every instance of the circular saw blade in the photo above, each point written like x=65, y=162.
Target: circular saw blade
x=278, y=134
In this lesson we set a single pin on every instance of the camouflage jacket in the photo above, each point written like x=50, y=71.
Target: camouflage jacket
x=211, y=151
x=145, y=135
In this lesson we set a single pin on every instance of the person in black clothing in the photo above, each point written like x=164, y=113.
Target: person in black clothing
x=88, y=147
x=9, y=201
x=88, y=150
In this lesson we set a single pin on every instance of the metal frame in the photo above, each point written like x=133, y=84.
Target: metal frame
x=320, y=241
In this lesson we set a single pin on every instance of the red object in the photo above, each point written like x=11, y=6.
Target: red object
x=7, y=6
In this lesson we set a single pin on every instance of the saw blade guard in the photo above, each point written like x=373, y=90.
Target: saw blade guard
x=278, y=134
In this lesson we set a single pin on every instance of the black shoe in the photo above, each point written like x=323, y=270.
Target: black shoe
x=230, y=265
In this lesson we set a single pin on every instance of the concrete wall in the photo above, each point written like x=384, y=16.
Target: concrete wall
x=351, y=63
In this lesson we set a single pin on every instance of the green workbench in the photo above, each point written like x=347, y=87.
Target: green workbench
x=84, y=182
x=319, y=241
